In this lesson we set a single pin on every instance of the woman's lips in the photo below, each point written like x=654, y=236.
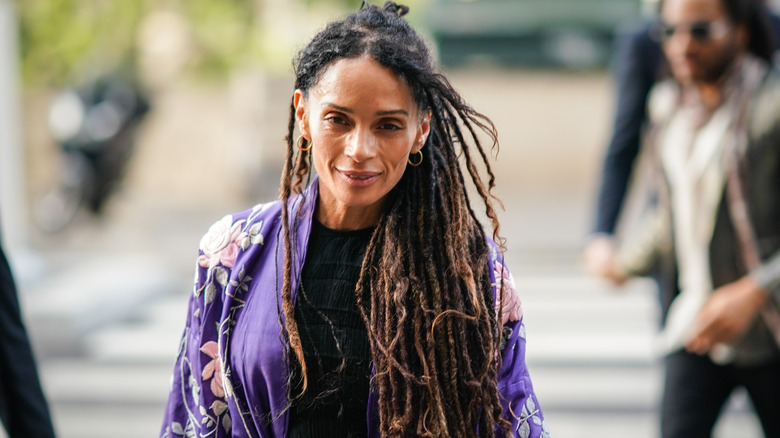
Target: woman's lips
x=359, y=179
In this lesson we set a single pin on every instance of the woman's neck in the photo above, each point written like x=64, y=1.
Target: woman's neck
x=346, y=218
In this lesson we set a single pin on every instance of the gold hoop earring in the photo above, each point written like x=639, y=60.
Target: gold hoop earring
x=417, y=163
x=299, y=142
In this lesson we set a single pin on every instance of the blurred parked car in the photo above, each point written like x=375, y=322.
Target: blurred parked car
x=565, y=33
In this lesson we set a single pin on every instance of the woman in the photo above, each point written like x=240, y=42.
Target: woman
x=363, y=305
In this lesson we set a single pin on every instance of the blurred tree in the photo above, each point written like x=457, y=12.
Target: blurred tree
x=64, y=40
x=222, y=30
x=61, y=38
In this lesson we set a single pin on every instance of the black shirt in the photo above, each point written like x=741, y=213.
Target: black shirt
x=335, y=402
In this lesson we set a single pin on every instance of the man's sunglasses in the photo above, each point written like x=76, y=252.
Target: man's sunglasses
x=702, y=31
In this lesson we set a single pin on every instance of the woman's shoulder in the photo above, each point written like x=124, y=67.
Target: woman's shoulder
x=244, y=219
x=512, y=309
x=264, y=212
x=256, y=213
x=495, y=259
x=495, y=253
x=240, y=230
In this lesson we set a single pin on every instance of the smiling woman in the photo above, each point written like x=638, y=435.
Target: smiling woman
x=365, y=125
x=372, y=302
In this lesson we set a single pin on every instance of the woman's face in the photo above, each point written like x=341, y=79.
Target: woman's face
x=364, y=124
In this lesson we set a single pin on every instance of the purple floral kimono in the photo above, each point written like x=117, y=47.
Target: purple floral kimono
x=230, y=374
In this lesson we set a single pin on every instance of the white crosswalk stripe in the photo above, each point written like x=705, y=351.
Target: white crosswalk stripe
x=591, y=358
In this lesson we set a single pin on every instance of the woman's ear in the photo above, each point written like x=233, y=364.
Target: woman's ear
x=301, y=117
x=422, y=132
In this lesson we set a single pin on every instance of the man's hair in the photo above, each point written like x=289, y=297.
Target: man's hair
x=424, y=290
x=754, y=15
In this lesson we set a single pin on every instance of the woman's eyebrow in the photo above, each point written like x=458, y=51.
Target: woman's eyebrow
x=378, y=113
x=392, y=112
x=338, y=107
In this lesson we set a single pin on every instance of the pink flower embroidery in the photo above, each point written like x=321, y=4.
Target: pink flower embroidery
x=213, y=369
x=511, y=307
x=228, y=255
x=221, y=243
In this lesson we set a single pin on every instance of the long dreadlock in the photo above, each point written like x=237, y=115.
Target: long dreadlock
x=424, y=290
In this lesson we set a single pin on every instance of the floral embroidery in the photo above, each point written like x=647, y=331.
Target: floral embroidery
x=178, y=430
x=511, y=306
x=213, y=369
x=221, y=243
x=207, y=394
x=242, y=285
x=252, y=236
x=521, y=332
x=220, y=409
x=195, y=388
x=530, y=412
x=228, y=255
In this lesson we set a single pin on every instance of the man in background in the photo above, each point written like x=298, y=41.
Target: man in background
x=638, y=64
x=715, y=139
x=23, y=408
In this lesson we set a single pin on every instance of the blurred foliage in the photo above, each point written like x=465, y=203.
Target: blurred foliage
x=222, y=31
x=59, y=37
x=64, y=40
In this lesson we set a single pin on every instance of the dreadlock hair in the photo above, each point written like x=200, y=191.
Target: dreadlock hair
x=424, y=290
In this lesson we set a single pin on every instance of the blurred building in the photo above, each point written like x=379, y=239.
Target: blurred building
x=563, y=33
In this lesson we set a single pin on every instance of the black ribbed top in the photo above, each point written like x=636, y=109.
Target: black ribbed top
x=334, y=404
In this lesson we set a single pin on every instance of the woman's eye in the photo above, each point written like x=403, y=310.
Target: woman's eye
x=389, y=126
x=337, y=120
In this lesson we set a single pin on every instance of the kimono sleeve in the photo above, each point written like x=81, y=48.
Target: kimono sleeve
x=197, y=404
x=521, y=407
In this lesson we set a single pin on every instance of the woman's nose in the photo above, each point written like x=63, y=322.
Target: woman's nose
x=361, y=146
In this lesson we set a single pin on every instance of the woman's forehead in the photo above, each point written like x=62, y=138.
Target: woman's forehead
x=363, y=81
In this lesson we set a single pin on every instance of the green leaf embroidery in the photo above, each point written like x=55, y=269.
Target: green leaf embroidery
x=227, y=423
x=524, y=430
x=211, y=293
x=531, y=405
x=218, y=407
x=254, y=232
x=177, y=429
x=221, y=275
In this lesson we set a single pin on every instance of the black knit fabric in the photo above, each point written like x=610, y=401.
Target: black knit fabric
x=334, y=404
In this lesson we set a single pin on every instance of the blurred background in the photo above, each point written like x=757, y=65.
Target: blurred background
x=128, y=127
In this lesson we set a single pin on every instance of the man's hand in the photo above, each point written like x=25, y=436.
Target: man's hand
x=726, y=315
x=600, y=257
